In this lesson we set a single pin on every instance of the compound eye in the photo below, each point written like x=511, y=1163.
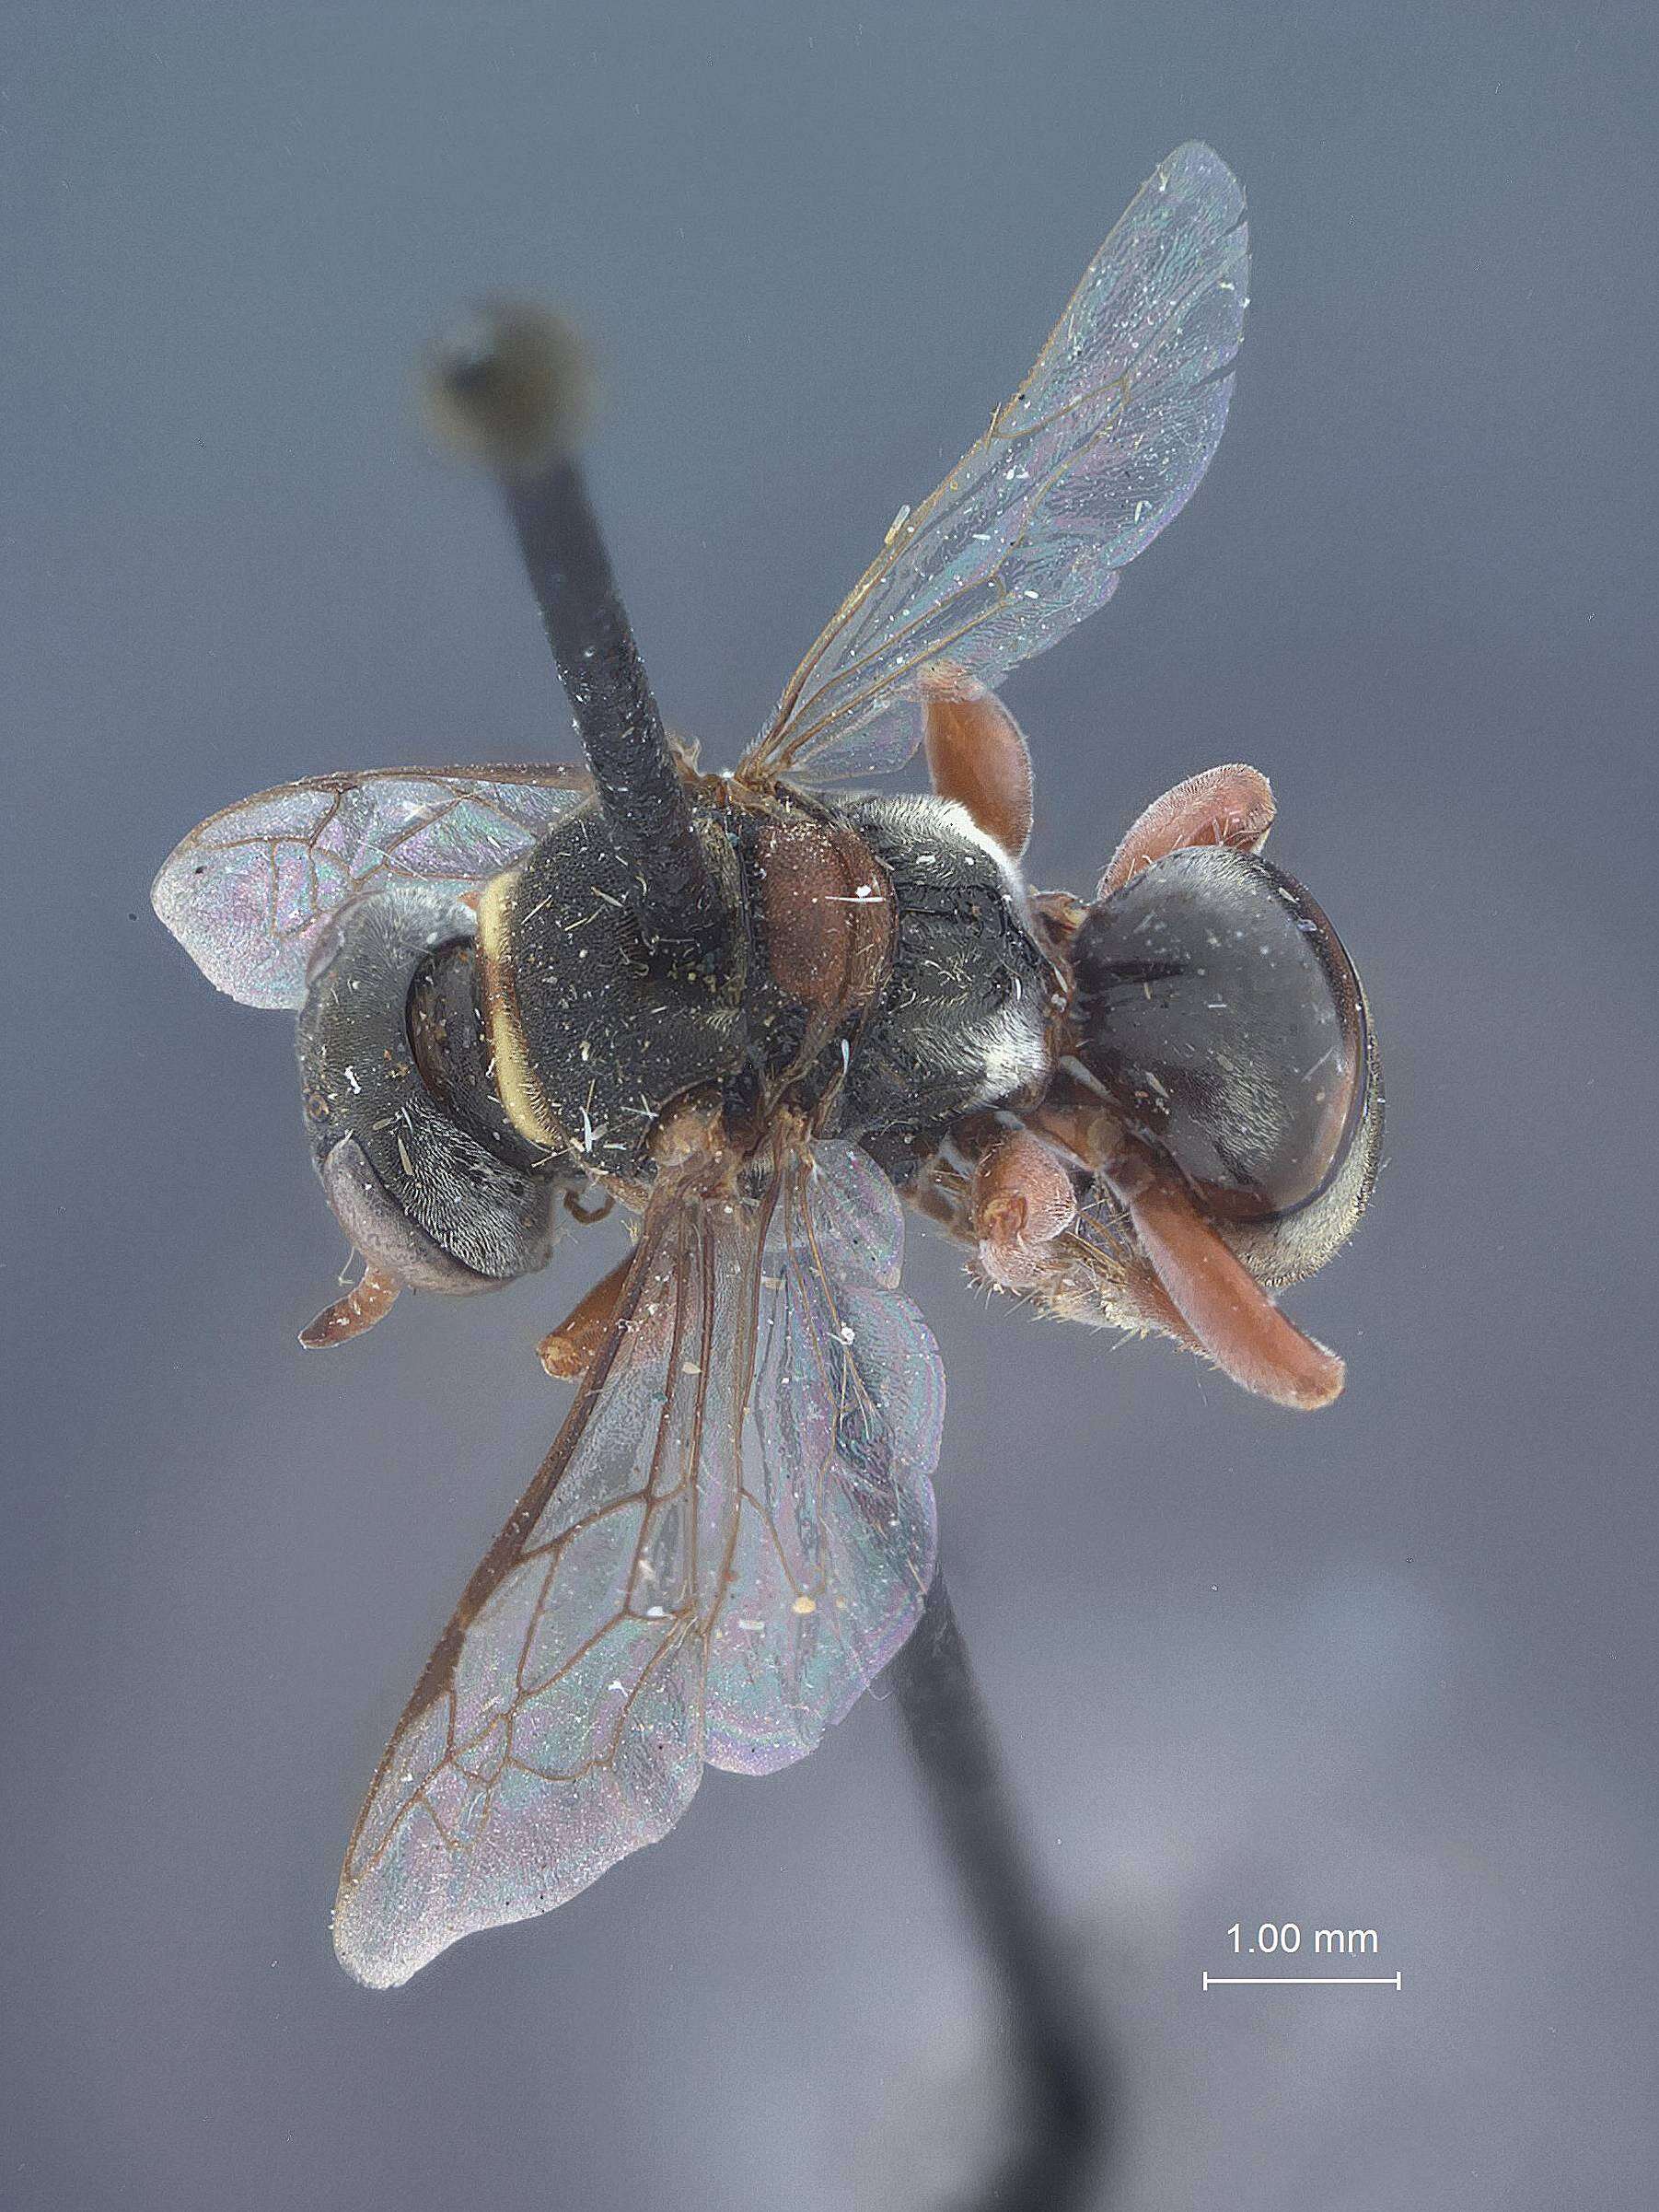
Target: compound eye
x=1216, y=1005
x=416, y=1187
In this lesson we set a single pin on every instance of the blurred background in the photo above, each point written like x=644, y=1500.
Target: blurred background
x=1392, y=1666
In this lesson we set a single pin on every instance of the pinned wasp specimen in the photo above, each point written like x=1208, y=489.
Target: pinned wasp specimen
x=759, y=1011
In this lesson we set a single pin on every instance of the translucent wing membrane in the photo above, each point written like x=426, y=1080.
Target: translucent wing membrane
x=730, y=1538
x=834, y=1534
x=1101, y=446
x=249, y=891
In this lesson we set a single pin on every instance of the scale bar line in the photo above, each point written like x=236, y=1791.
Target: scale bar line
x=1281, y=1981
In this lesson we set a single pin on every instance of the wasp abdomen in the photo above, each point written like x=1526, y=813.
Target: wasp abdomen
x=1216, y=1008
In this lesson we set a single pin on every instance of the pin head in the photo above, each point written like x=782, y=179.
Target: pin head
x=509, y=385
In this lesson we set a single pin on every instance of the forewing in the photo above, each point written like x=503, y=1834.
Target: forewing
x=739, y=1445
x=559, y=1723
x=1101, y=446
x=249, y=891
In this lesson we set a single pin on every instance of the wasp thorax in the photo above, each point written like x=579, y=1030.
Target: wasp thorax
x=1215, y=1005
x=963, y=1020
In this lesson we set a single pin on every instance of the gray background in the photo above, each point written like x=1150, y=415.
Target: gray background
x=1390, y=1666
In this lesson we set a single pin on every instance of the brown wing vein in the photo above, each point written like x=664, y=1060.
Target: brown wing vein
x=438, y=1673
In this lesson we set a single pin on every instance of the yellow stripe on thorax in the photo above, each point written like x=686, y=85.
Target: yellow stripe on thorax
x=516, y=1080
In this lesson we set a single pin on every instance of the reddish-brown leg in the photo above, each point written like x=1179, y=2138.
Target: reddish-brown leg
x=1191, y=1269
x=1022, y=1200
x=1227, y=1308
x=1233, y=805
x=596, y=1211
x=567, y=1351
x=1145, y=1296
x=976, y=754
x=369, y=1299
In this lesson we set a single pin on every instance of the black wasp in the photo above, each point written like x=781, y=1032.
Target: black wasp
x=759, y=1009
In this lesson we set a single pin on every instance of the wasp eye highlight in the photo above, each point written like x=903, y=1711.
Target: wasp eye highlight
x=1216, y=1005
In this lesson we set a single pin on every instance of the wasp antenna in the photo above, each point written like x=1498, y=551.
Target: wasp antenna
x=512, y=387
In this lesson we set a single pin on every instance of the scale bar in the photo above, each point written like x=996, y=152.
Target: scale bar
x=1301, y=1980
x=1282, y=1980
